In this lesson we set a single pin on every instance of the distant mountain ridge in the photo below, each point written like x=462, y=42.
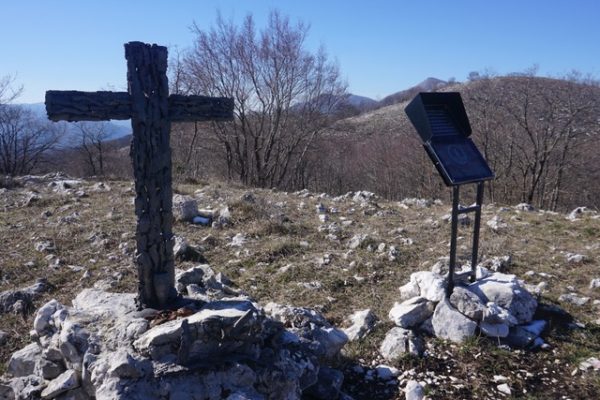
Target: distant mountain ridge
x=362, y=104
x=116, y=129
x=428, y=85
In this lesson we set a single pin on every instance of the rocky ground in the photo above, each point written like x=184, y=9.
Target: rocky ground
x=338, y=256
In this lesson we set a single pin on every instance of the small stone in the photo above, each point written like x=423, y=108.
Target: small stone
x=497, y=224
x=414, y=391
x=494, y=314
x=519, y=338
x=45, y=246
x=573, y=298
x=505, y=291
x=44, y=315
x=595, y=283
x=238, y=240
x=398, y=342
x=50, y=370
x=393, y=253
x=467, y=303
x=590, y=363
x=409, y=290
x=432, y=286
x=185, y=208
x=577, y=213
x=123, y=365
x=362, y=322
x=494, y=330
x=357, y=241
x=386, y=372
x=574, y=258
x=504, y=389
x=449, y=323
x=66, y=381
x=411, y=312
x=22, y=362
x=524, y=207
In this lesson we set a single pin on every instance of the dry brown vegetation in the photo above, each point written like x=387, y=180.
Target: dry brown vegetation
x=282, y=261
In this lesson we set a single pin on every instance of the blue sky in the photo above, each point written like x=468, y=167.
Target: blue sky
x=381, y=46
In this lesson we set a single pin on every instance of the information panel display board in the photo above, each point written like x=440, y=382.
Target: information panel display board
x=442, y=123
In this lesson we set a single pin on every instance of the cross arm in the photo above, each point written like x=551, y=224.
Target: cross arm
x=73, y=105
x=200, y=108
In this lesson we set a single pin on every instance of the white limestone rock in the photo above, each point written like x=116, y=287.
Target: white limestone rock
x=24, y=387
x=505, y=291
x=310, y=325
x=573, y=298
x=449, y=323
x=574, y=258
x=524, y=207
x=411, y=312
x=98, y=302
x=414, y=391
x=63, y=383
x=185, y=208
x=362, y=322
x=497, y=264
x=497, y=224
x=494, y=330
x=431, y=286
x=577, y=213
x=409, y=290
x=494, y=314
x=49, y=369
x=43, y=317
x=239, y=240
x=158, y=341
x=357, y=240
x=504, y=389
x=23, y=362
x=398, y=342
x=467, y=302
x=386, y=372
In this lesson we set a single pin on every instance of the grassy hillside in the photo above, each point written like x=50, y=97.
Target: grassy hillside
x=291, y=256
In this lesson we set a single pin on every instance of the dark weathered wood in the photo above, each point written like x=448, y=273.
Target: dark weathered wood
x=199, y=108
x=151, y=155
x=151, y=111
x=72, y=105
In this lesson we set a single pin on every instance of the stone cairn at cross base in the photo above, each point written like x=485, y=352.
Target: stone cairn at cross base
x=223, y=346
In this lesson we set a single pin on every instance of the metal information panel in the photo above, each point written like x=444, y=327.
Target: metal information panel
x=441, y=121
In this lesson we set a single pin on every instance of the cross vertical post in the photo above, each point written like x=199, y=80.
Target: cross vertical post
x=151, y=157
x=151, y=110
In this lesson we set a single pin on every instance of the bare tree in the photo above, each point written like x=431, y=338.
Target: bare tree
x=533, y=131
x=8, y=93
x=283, y=95
x=24, y=138
x=92, y=145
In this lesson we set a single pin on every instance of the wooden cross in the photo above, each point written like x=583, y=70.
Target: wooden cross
x=151, y=110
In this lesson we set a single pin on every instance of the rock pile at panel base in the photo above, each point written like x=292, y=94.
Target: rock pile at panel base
x=496, y=305
x=220, y=345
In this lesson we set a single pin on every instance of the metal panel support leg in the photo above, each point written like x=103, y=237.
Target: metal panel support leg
x=455, y=196
x=474, y=255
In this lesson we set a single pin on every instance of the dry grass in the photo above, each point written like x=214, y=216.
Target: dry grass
x=282, y=262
